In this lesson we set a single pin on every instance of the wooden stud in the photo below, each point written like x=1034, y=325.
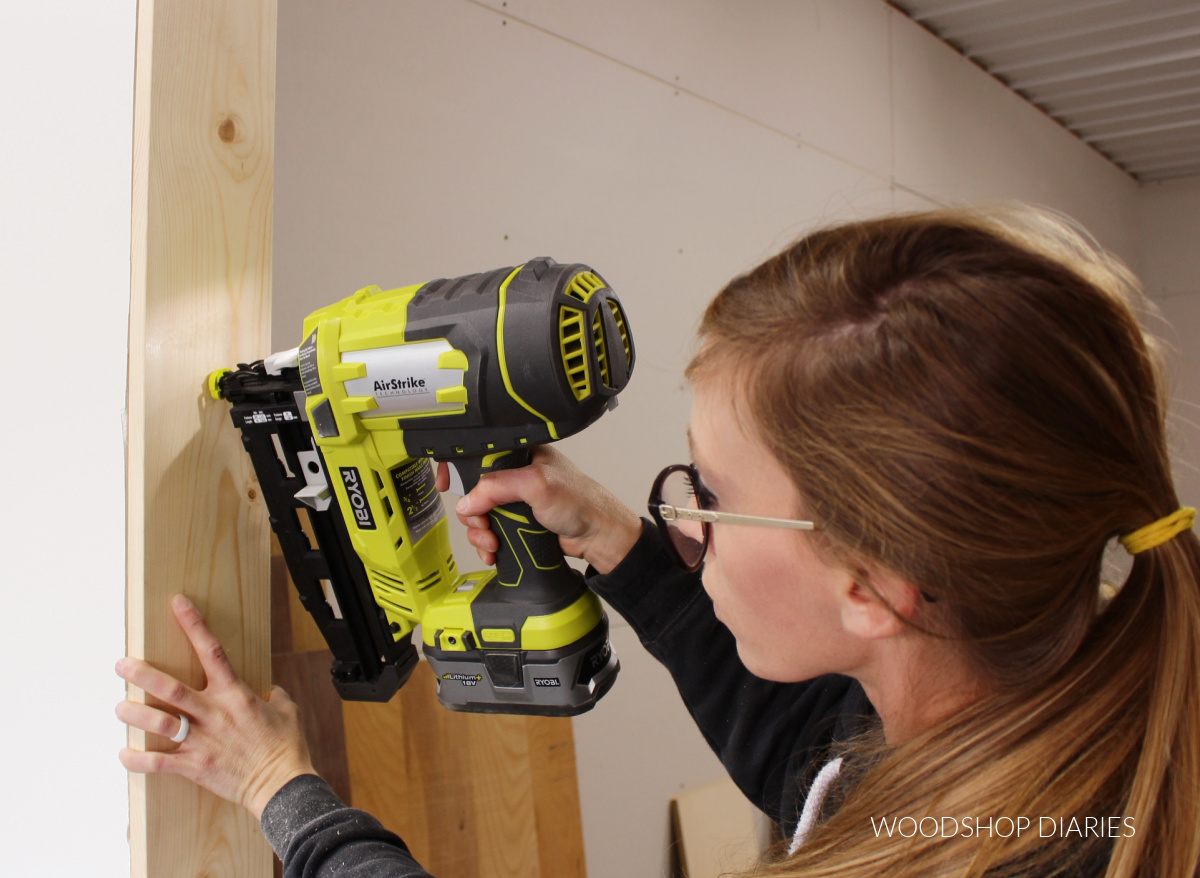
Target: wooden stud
x=204, y=108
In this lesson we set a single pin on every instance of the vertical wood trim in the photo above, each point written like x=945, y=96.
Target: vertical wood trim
x=204, y=108
x=557, y=813
x=505, y=828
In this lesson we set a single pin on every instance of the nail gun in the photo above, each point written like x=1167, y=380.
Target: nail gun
x=475, y=371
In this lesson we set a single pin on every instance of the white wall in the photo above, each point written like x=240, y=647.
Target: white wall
x=671, y=145
x=67, y=69
x=1169, y=215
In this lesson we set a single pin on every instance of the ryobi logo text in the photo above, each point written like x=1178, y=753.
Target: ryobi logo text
x=358, y=498
x=400, y=386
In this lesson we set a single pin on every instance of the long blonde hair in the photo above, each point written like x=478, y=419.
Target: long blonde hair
x=968, y=399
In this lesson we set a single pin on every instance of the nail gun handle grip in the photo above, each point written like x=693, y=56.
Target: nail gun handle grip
x=529, y=558
x=529, y=555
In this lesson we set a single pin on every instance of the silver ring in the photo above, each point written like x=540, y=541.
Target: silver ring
x=184, y=726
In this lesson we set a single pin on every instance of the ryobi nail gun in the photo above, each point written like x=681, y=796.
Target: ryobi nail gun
x=475, y=371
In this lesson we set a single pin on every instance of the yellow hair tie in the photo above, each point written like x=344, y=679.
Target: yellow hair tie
x=1153, y=535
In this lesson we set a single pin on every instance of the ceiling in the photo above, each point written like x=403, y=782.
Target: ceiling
x=1123, y=75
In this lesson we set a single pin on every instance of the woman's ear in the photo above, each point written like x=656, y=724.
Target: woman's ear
x=873, y=603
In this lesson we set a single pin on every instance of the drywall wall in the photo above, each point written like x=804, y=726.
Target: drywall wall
x=671, y=145
x=64, y=272
x=1169, y=214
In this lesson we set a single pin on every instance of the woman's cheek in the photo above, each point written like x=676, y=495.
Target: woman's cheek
x=714, y=586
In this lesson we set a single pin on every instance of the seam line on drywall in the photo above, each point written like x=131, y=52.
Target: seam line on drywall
x=681, y=89
x=924, y=196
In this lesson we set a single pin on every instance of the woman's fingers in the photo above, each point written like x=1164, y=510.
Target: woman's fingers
x=214, y=661
x=505, y=486
x=159, y=722
x=149, y=719
x=486, y=540
x=216, y=665
x=234, y=744
x=151, y=762
x=154, y=682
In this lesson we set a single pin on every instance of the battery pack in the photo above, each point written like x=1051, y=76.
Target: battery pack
x=555, y=682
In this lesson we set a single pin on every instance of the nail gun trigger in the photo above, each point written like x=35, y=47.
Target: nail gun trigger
x=456, y=482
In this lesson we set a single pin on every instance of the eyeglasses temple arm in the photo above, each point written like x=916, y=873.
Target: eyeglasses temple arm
x=671, y=513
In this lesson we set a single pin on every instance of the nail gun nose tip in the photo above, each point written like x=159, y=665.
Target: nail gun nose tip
x=213, y=383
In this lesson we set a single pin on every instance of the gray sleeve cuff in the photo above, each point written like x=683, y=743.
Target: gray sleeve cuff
x=297, y=804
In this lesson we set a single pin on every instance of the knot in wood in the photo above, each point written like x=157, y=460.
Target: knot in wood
x=227, y=130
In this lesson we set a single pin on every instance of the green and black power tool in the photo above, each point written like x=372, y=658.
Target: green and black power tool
x=475, y=371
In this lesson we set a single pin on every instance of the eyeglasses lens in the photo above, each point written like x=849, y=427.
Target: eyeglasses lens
x=688, y=537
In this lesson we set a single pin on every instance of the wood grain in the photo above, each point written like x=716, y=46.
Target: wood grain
x=500, y=766
x=199, y=300
x=305, y=677
x=473, y=795
x=556, y=797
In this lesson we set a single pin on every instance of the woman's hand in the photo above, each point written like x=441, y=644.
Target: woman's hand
x=590, y=522
x=238, y=746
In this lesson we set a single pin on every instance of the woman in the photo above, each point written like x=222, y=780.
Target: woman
x=919, y=434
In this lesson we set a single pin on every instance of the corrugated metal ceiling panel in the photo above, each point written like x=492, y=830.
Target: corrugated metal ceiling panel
x=1124, y=75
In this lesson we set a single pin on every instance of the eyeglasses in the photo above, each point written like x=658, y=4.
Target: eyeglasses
x=678, y=504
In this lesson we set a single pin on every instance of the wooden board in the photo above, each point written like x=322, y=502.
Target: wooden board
x=200, y=299
x=473, y=796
